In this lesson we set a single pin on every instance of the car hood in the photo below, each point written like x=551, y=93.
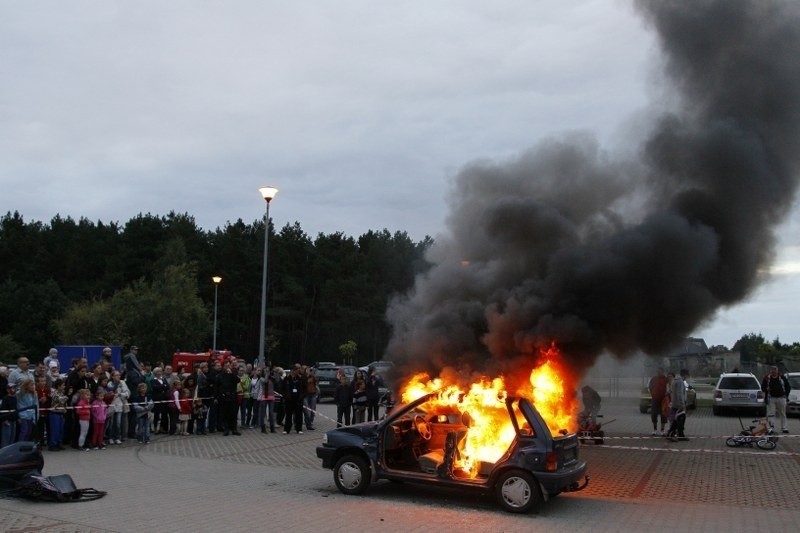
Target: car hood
x=362, y=430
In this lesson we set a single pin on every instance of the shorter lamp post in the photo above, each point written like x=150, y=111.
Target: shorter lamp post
x=217, y=280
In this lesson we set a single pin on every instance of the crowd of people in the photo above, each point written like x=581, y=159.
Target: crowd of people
x=90, y=407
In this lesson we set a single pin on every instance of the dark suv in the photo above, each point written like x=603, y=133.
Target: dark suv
x=327, y=378
x=422, y=442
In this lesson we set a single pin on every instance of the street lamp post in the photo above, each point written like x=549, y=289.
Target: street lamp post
x=216, y=280
x=268, y=193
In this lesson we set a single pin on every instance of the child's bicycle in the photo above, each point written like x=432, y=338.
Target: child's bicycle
x=762, y=435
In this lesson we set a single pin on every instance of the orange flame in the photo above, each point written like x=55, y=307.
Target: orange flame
x=491, y=431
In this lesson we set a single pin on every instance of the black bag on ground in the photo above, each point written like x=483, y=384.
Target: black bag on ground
x=35, y=486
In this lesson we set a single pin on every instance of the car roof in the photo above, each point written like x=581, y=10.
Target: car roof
x=335, y=368
x=736, y=374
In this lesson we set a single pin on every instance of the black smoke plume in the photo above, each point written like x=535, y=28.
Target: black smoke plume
x=568, y=243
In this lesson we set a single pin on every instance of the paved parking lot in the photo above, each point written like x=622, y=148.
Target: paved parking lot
x=258, y=481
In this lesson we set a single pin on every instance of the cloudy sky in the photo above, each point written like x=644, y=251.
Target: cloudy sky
x=360, y=112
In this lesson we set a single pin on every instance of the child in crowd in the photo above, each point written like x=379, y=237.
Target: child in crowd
x=27, y=409
x=200, y=414
x=99, y=408
x=142, y=405
x=184, y=411
x=83, y=410
x=8, y=416
x=58, y=404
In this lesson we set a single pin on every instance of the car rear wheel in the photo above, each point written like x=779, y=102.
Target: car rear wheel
x=517, y=491
x=351, y=474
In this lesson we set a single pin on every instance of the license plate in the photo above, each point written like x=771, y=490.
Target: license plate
x=569, y=454
x=324, y=382
x=740, y=395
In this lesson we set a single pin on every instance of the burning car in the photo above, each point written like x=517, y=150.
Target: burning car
x=482, y=440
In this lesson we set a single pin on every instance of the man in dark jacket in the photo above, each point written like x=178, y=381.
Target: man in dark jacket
x=343, y=397
x=227, y=380
x=159, y=391
x=374, y=384
x=776, y=387
x=293, y=392
x=591, y=403
x=214, y=419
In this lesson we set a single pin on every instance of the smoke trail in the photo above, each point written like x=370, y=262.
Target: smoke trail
x=568, y=243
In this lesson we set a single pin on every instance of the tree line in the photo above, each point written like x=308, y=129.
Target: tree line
x=149, y=282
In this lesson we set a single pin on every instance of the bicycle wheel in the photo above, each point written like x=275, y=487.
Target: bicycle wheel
x=733, y=442
x=766, y=444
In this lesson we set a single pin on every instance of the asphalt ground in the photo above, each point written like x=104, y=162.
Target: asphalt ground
x=257, y=481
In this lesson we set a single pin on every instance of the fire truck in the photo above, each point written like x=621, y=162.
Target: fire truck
x=186, y=362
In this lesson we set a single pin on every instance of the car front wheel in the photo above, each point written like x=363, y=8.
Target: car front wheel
x=517, y=491
x=351, y=474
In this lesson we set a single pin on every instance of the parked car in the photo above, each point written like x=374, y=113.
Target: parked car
x=327, y=378
x=739, y=392
x=793, y=403
x=385, y=369
x=646, y=400
x=422, y=442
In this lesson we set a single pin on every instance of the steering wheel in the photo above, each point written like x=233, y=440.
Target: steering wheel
x=422, y=427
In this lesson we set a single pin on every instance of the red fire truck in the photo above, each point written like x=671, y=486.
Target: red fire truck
x=186, y=362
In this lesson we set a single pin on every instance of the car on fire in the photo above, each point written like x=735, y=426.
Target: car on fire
x=428, y=442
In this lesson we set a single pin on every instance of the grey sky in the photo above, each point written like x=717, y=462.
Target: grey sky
x=359, y=112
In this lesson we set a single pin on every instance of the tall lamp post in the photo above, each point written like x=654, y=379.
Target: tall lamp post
x=216, y=280
x=268, y=193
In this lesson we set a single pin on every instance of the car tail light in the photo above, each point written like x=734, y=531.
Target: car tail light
x=551, y=462
x=717, y=393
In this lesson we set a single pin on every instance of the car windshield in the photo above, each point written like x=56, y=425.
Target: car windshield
x=739, y=382
x=326, y=373
x=794, y=381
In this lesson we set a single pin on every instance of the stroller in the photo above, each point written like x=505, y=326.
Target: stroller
x=591, y=431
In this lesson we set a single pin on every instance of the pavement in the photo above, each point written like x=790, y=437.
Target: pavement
x=264, y=481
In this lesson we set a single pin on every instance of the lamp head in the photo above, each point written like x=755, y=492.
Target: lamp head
x=268, y=193
x=216, y=279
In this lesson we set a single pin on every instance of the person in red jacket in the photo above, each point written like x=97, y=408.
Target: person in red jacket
x=658, y=389
x=83, y=411
x=99, y=410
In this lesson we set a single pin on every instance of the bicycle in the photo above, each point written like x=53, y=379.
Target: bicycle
x=762, y=435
